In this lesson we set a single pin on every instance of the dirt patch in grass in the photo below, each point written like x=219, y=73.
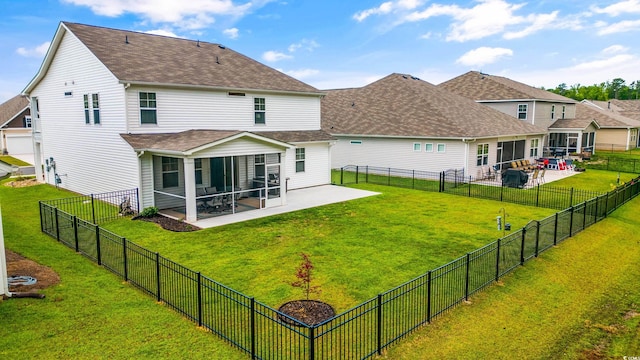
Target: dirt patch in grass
x=168, y=223
x=22, y=182
x=18, y=265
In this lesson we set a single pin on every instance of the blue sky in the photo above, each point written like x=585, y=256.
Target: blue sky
x=335, y=44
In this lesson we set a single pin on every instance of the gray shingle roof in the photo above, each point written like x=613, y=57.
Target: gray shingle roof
x=12, y=107
x=605, y=118
x=627, y=108
x=478, y=86
x=192, y=139
x=402, y=106
x=158, y=59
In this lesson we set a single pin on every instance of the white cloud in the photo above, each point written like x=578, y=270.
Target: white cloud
x=384, y=8
x=302, y=73
x=305, y=44
x=615, y=49
x=483, y=56
x=231, y=33
x=273, y=56
x=163, y=33
x=622, y=26
x=538, y=22
x=188, y=15
x=622, y=7
x=37, y=51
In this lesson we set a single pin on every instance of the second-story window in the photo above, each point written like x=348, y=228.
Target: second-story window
x=522, y=111
x=148, y=108
x=259, y=106
x=553, y=112
x=87, y=116
x=95, y=104
x=563, y=110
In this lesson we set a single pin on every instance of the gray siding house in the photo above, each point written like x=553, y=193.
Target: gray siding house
x=403, y=122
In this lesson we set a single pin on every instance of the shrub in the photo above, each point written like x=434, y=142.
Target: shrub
x=148, y=212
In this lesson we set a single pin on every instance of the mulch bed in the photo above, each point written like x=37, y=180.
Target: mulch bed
x=310, y=312
x=168, y=223
x=18, y=265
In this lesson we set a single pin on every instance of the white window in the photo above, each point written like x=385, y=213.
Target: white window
x=553, y=112
x=87, y=115
x=148, y=108
x=259, y=106
x=355, y=142
x=483, y=155
x=170, y=174
x=522, y=111
x=417, y=147
x=441, y=148
x=533, y=150
x=95, y=104
x=197, y=164
x=27, y=121
x=428, y=147
x=300, y=156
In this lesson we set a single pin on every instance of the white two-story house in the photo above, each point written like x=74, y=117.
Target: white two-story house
x=195, y=126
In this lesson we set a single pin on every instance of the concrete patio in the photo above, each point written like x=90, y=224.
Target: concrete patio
x=296, y=200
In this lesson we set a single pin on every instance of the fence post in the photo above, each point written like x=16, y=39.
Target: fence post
x=537, y=237
x=498, y=261
x=357, y=173
x=366, y=174
x=429, y=297
x=466, y=285
x=571, y=223
x=501, y=192
x=253, y=328
x=389, y=177
x=524, y=235
x=124, y=258
x=538, y=196
x=606, y=206
x=469, y=185
x=584, y=216
x=41, y=218
x=93, y=210
x=413, y=179
x=57, y=224
x=137, y=201
x=555, y=231
x=342, y=175
x=99, y=256
x=595, y=217
x=379, y=324
x=312, y=344
x=158, y=275
x=571, y=198
x=75, y=232
x=199, y=299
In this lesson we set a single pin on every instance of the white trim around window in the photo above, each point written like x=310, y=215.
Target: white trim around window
x=428, y=147
x=522, y=111
x=442, y=148
x=417, y=147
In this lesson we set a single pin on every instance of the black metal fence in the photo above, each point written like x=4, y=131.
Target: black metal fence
x=359, y=333
x=613, y=163
x=98, y=208
x=455, y=182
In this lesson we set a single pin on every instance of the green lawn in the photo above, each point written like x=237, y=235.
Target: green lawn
x=359, y=248
x=12, y=161
x=580, y=300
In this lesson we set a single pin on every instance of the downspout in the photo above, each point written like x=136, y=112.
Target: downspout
x=466, y=154
x=533, y=115
x=628, y=138
x=126, y=111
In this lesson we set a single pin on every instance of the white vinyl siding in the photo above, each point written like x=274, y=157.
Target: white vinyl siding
x=89, y=159
x=390, y=152
x=179, y=110
x=317, y=170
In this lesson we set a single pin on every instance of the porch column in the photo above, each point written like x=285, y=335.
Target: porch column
x=283, y=176
x=190, y=189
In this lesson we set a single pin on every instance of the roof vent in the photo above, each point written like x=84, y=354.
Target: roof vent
x=404, y=76
x=198, y=43
x=217, y=61
x=126, y=39
x=353, y=103
x=415, y=78
x=222, y=47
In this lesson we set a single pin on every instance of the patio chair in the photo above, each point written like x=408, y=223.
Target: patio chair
x=541, y=177
x=569, y=164
x=514, y=165
x=533, y=179
x=491, y=175
x=215, y=204
x=553, y=164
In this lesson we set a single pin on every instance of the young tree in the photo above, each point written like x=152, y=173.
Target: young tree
x=303, y=273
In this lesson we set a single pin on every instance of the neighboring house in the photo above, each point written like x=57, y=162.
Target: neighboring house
x=616, y=132
x=627, y=108
x=15, y=129
x=528, y=104
x=403, y=122
x=178, y=119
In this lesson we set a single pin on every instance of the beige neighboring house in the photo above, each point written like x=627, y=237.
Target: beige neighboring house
x=627, y=108
x=617, y=132
x=528, y=104
x=15, y=129
x=403, y=122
